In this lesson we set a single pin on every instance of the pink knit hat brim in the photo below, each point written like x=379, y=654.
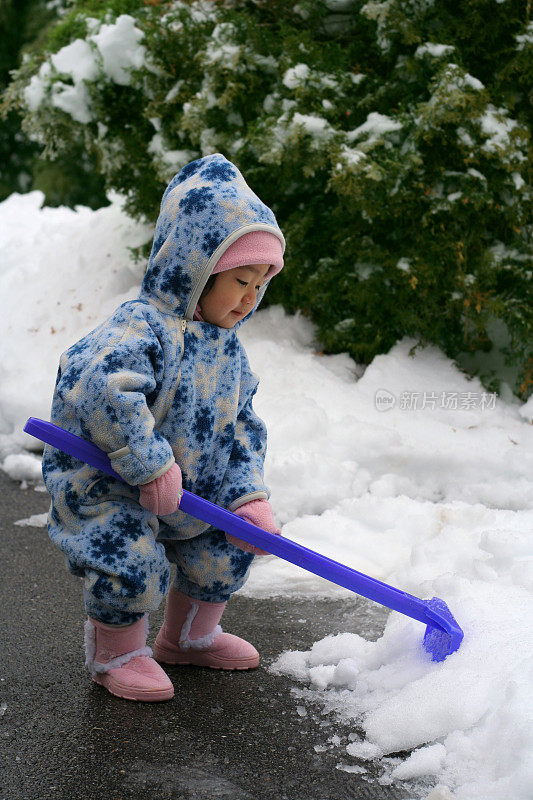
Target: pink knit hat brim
x=256, y=247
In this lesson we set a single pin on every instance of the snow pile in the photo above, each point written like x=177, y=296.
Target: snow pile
x=61, y=272
x=469, y=717
x=407, y=471
x=431, y=492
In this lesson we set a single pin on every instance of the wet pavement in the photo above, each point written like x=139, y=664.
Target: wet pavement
x=225, y=735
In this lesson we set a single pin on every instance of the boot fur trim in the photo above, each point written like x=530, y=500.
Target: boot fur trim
x=203, y=643
x=196, y=644
x=90, y=650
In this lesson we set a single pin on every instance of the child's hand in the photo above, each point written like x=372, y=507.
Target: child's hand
x=162, y=496
x=258, y=512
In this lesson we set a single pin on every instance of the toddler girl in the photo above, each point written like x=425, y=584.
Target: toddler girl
x=165, y=388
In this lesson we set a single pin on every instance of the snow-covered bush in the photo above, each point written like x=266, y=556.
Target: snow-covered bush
x=391, y=139
x=22, y=168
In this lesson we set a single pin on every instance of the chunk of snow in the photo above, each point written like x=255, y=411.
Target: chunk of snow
x=295, y=76
x=434, y=50
x=375, y=127
x=22, y=467
x=77, y=60
x=35, y=521
x=120, y=46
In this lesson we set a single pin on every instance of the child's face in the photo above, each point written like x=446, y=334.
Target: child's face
x=233, y=295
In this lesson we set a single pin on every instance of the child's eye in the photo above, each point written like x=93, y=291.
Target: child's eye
x=245, y=283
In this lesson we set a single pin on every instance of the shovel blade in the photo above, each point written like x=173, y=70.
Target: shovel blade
x=443, y=635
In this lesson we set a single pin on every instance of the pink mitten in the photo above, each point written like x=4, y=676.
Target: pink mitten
x=258, y=512
x=162, y=496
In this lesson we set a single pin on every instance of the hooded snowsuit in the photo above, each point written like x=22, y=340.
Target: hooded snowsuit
x=151, y=386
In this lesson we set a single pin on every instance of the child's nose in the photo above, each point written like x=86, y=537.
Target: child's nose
x=250, y=295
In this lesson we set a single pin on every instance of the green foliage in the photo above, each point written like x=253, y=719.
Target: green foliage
x=391, y=138
x=25, y=24
x=16, y=150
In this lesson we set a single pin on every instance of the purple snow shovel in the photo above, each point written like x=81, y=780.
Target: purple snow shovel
x=443, y=635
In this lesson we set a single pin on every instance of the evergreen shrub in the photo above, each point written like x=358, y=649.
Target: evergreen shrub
x=391, y=139
x=23, y=24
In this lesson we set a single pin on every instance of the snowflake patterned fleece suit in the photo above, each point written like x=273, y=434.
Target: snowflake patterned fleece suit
x=151, y=386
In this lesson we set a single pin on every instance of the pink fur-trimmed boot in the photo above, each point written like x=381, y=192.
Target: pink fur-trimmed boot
x=190, y=634
x=119, y=660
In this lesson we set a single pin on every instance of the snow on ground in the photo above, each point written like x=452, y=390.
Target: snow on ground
x=406, y=471
x=61, y=272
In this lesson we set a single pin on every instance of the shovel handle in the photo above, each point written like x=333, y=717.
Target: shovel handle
x=230, y=523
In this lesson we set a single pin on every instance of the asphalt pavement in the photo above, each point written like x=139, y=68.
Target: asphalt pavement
x=224, y=736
